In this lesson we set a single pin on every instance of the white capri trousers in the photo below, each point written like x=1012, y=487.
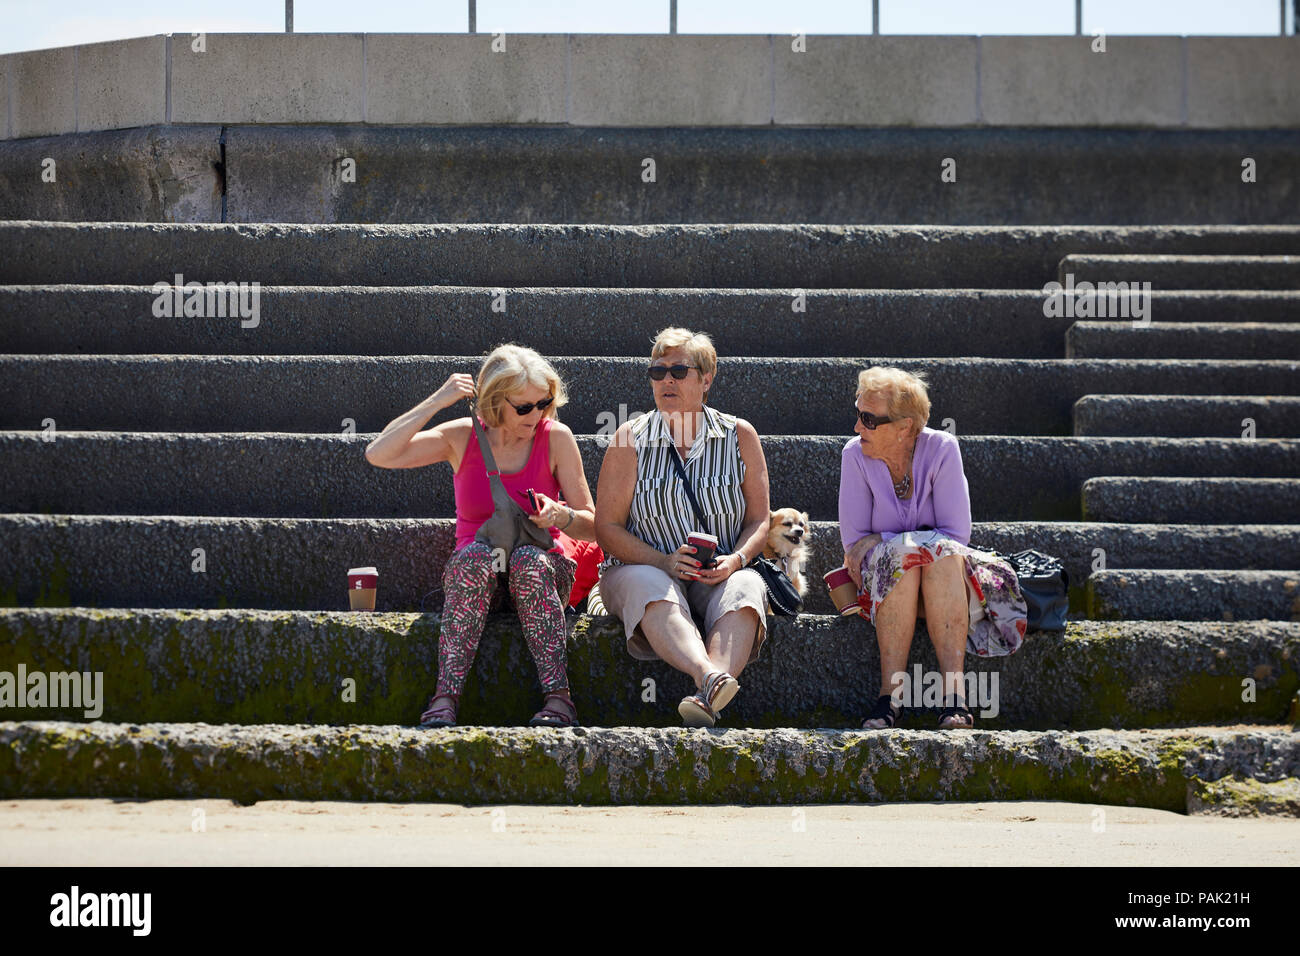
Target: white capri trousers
x=626, y=589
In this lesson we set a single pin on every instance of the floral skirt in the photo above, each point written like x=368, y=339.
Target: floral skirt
x=998, y=614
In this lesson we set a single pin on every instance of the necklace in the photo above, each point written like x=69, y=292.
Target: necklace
x=904, y=485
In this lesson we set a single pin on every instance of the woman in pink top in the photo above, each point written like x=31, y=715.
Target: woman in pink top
x=518, y=393
x=905, y=523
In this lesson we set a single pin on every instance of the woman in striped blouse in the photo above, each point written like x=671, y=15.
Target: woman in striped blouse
x=650, y=578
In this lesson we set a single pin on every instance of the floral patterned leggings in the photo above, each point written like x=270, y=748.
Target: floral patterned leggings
x=539, y=582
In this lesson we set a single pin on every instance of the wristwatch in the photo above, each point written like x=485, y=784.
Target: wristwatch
x=571, y=517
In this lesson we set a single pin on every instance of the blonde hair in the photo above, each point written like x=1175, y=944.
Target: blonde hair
x=509, y=368
x=697, y=345
x=904, y=393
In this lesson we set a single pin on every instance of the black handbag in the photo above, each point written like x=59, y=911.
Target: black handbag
x=781, y=595
x=1046, y=586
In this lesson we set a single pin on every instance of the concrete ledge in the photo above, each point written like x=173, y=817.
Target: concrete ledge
x=1184, y=340
x=122, y=84
x=4, y=98
x=648, y=80
x=1187, y=416
x=1159, y=769
x=1186, y=271
x=1060, y=81
x=1240, y=82
x=301, y=563
x=268, y=78
x=156, y=174
x=737, y=256
x=653, y=80
x=876, y=81
x=1200, y=595
x=244, y=666
x=442, y=78
x=1192, y=500
x=270, y=393
x=42, y=92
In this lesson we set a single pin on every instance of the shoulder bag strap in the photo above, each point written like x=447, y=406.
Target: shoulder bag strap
x=499, y=493
x=686, y=483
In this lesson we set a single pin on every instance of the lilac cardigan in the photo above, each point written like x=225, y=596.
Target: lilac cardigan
x=940, y=498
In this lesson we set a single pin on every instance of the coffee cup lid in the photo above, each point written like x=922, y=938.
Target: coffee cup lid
x=703, y=536
x=362, y=571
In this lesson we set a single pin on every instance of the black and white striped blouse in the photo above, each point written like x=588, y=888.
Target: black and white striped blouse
x=661, y=513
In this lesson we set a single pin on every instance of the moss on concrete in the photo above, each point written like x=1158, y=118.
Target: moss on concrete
x=644, y=766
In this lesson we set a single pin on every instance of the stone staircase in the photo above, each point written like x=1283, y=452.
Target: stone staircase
x=181, y=498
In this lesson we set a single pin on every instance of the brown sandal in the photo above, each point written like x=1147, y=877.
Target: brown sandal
x=549, y=716
x=442, y=716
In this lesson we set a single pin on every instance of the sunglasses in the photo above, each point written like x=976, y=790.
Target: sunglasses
x=870, y=421
x=659, y=372
x=525, y=409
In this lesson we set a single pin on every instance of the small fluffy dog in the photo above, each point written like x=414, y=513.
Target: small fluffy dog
x=786, y=531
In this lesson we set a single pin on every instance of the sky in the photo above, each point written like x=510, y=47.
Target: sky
x=38, y=24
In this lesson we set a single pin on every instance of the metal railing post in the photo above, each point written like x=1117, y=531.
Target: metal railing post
x=473, y=17
x=288, y=16
x=672, y=16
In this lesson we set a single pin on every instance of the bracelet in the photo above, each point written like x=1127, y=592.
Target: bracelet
x=571, y=517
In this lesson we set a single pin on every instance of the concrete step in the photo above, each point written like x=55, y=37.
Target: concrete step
x=1193, y=500
x=777, y=395
x=814, y=671
x=397, y=320
x=296, y=563
x=1227, y=770
x=645, y=256
x=1195, y=595
x=1188, y=416
x=540, y=173
x=1185, y=340
x=813, y=175
x=324, y=476
x=394, y=320
x=1185, y=271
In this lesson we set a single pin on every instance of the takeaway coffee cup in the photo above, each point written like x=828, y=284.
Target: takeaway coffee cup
x=844, y=593
x=362, y=583
x=705, y=546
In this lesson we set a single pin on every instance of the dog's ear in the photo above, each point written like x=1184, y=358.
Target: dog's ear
x=771, y=516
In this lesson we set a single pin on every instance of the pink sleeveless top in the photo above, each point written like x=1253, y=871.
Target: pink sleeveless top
x=474, y=494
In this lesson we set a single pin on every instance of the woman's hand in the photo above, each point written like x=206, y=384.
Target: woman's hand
x=853, y=560
x=681, y=564
x=550, y=512
x=458, y=386
x=727, y=565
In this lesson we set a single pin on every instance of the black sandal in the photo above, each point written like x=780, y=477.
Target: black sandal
x=957, y=710
x=884, y=710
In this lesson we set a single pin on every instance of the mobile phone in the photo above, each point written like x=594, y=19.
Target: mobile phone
x=532, y=500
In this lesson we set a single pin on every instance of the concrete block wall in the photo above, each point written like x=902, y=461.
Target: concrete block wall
x=653, y=80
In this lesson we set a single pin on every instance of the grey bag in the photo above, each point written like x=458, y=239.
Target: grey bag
x=509, y=527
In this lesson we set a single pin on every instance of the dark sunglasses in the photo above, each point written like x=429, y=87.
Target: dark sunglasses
x=659, y=372
x=525, y=409
x=870, y=421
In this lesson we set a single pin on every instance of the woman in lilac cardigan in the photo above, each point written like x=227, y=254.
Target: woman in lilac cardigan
x=905, y=523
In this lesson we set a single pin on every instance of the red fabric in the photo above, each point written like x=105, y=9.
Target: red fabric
x=587, y=555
